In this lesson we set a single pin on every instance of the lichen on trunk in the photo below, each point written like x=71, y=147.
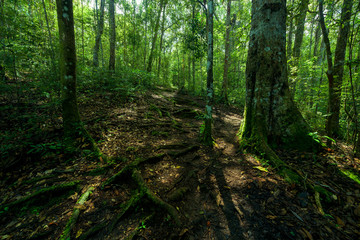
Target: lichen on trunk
x=271, y=117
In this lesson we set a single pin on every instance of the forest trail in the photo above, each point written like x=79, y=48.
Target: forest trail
x=219, y=193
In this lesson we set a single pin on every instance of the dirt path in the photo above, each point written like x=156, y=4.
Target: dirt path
x=219, y=193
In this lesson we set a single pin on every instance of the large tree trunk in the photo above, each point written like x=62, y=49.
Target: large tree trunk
x=224, y=92
x=335, y=72
x=207, y=136
x=99, y=32
x=271, y=117
x=112, y=35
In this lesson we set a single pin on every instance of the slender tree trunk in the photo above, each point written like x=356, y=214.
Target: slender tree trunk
x=99, y=32
x=317, y=39
x=356, y=134
x=335, y=72
x=271, y=117
x=112, y=35
x=134, y=35
x=193, y=74
x=161, y=41
x=210, y=78
x=82, y=33
x=311, y=37
x=224, y=92
x=68, y=61
x=290, y=35
x=125, y=42
x=145, y=33
x=52, y=56
x=153, y=43
x=299, y=33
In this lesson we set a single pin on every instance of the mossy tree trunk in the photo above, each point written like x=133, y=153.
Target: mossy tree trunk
x=224, y=92
x=207, y=136
x=271, y=117
x=99, y=32
x=335, y=70
x=73, y=127
x=67, y=61
x=112, y=34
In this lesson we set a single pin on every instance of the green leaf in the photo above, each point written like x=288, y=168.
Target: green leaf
x=261, y=169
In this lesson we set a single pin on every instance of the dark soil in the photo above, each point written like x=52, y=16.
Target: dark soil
x=219, y=193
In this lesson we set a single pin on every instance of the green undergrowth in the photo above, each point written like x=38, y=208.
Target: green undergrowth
x=350, y=174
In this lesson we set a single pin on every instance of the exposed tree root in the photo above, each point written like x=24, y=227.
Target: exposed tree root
x=72, y=221
x=130, y=167
x=293, y=175
x=56, y=189
x=136, y=176
x=132, y=172
x=135, y=233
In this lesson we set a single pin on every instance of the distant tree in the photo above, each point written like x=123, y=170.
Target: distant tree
x=99, y=32
x=224, y=91
x=271, y=117
x=153, y=42
x=112, y=34
x=335, y=70
x=207, y=135
x=299, y=34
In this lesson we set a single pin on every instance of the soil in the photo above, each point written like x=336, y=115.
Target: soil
x=218, y=193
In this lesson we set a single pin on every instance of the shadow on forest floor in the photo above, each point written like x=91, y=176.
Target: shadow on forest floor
x=219, y=193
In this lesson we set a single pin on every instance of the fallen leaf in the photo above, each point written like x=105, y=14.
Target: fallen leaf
x=79, y=206
x=78, y=234
x=357, y=211
x=185, y=230
x=308, y=234
x=339, y=221
x=261, y=168
x=328, y=229
x=271, y=217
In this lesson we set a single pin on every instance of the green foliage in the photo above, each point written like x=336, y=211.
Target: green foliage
x=320, y=139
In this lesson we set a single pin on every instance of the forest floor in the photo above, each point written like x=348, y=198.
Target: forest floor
x=217, y=193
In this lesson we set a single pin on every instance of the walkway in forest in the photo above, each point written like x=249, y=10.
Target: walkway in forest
x=218, y=193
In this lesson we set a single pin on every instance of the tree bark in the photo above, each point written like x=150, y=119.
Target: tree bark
x=207, y=134
x=271, y=117
x=99, y=32
x=145, y=33
x=335, y=72
x=71, y=117
x=112, y=35
x=153, y=43
x=290, y=35
x=224, y=92
x=161, y=41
